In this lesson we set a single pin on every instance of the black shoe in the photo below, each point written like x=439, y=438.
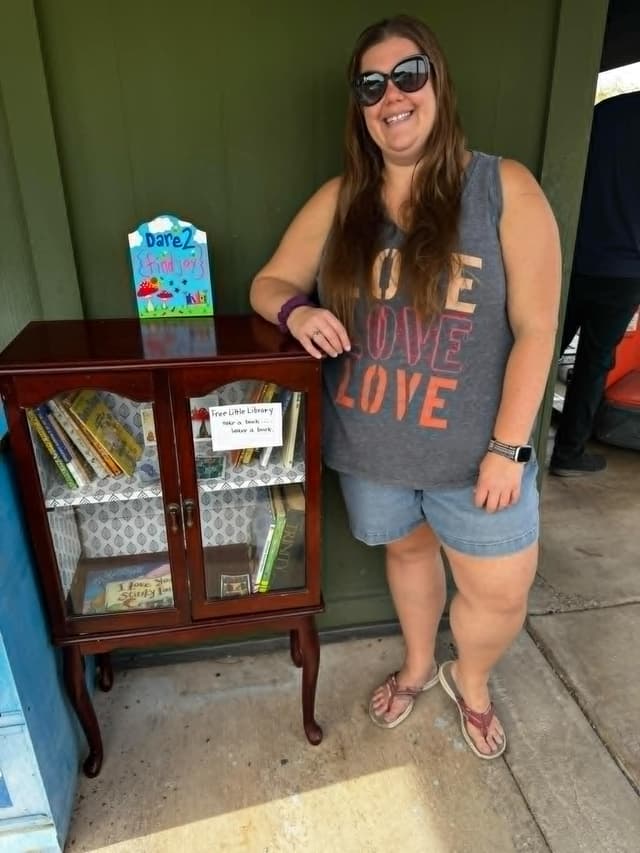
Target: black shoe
x=587, y=463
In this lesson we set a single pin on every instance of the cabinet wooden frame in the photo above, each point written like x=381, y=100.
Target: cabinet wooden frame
x=43, y=362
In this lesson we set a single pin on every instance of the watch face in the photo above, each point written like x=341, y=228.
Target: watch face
x=523, y=454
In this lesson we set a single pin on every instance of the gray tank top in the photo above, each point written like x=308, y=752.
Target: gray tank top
x=414, y=404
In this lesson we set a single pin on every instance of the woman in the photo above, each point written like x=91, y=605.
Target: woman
x=438, y=276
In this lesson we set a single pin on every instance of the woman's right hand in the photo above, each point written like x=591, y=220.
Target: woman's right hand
x=319, y=331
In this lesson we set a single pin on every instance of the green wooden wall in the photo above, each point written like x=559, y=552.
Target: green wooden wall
x=231, y=115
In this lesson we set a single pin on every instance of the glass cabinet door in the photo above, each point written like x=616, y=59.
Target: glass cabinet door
x=248, y=442
x=97, y=459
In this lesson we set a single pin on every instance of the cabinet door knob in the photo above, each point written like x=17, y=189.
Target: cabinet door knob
x=188, y=506
x=173, y=511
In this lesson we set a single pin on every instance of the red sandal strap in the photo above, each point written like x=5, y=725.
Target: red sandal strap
x=480, y=719
x=391, y=683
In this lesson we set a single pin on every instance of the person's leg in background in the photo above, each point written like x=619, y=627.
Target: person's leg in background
x=602, y=307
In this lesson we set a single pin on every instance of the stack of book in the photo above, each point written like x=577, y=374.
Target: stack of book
x=84, y=439
x=278, y=527
x=291, y=402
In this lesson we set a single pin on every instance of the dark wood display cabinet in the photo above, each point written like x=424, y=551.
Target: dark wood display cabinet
x=170, y=474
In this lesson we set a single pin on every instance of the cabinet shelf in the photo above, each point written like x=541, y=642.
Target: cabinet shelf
x=132, y=488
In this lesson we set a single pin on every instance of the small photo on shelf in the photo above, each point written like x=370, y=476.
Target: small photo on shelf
x=209, y=465
x=234, y=585
x=148, y=427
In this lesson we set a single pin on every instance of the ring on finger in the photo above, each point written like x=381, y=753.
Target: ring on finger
x=316, y=332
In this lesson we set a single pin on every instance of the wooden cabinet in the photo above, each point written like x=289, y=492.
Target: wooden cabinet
x=149, y=523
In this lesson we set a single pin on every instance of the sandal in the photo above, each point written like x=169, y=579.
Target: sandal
x=393, y=690
x=481, y=720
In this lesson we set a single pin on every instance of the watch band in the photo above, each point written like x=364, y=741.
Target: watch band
x=515, y=452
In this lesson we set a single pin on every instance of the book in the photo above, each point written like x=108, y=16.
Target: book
x=284, y=398
x=76, y=435
x=262, y=526
x=43, y=435
x=111, y=467
x=280, y=512
x=105, y=584
x=288, y=571
x=63, y=445
x=106, y=430
x=138, y=594
x=289, y=439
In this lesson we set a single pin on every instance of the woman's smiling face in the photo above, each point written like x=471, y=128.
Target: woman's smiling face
x=401, y=122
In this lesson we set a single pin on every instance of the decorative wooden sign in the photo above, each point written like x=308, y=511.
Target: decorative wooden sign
x=170, y=265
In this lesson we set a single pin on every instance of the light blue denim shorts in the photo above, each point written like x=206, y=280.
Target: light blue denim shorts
x=380, y=514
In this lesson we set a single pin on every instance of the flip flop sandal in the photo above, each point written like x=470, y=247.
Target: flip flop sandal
x=481, y=721
x=393, y=690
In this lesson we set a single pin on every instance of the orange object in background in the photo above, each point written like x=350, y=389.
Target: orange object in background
x=627, y=352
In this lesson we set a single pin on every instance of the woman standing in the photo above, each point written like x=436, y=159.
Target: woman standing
x=438, y=274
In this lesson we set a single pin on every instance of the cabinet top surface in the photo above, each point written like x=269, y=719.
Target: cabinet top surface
x=65, y=344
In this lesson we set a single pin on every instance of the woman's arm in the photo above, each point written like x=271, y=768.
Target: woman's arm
x=531, y=255
x=292, y=271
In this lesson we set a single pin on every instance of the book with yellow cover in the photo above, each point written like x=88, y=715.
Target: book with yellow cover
x=114, y=438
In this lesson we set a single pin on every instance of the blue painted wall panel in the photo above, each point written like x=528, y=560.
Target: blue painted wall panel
x=34, y=663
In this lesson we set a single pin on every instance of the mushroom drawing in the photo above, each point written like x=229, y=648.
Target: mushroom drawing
x=164, y=295
x=148, y=288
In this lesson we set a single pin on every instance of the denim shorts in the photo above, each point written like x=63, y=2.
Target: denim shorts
x=380, y=514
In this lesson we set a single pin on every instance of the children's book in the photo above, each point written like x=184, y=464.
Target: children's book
x=114, y=438
x=38, y=428
x=79, y=439
x=124, y=583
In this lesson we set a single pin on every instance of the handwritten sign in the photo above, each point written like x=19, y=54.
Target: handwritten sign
x=170, y=264
x=246, y=425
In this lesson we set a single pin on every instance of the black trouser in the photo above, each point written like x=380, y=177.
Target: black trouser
x=601, y=308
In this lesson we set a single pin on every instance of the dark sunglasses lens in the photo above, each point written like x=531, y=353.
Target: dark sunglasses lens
x=369, y=88
x=410, y=75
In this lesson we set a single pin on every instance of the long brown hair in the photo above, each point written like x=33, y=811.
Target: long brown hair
x=433, y=208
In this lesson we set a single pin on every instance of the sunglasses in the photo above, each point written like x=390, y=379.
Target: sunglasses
x=409, y=75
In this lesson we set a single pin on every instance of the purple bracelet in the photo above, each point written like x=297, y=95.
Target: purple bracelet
x=291, y=304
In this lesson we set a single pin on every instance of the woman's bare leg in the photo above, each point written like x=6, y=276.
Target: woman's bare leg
x=486, y=615
x=416, y=579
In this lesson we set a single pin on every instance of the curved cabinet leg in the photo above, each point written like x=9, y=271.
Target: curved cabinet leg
x=73, y=666
x=105, y=672
x=309, y=647
x=294, y=645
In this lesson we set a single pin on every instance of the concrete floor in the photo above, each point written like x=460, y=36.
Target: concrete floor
x=210, y=756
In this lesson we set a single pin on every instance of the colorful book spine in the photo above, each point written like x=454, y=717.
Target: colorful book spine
x=274, y=546
x=80, y=440
x=43, y=435
x=112, y=467
x=63, y=445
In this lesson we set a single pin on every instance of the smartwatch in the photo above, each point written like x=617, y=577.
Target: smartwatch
x=515, y=452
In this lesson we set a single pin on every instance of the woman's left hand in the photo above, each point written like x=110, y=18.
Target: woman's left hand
x=498, y=483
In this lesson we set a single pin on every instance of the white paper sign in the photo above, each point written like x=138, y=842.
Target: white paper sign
x=246, y=425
